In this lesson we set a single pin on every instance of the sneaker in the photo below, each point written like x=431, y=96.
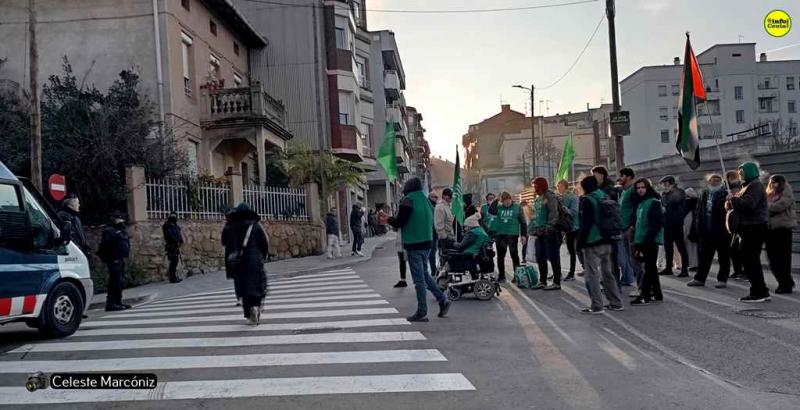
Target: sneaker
x=634, y=293
x=553, y=287
x=416, y=317
x=255, y=314
x=722, y=285
x=783, y=291
x=444, y=307
x=695, y=283
x=359, y=253
x=640, y=302
x=592, y=311
x=569, y=277
x=538, y=286
x=755, y=299
x=401, y=284
x=615, y=308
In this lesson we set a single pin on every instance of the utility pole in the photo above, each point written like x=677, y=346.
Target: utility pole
x=612, y=48
x=533, y=137
x=36, y=119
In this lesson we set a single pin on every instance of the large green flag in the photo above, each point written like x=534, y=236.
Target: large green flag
x=387, y=155
x=457, y=206
x=692, y=92
x=567, y=156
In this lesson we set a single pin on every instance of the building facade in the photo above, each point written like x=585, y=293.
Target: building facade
x=746, y=97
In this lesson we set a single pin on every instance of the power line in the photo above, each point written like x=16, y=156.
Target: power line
x=594, y=33
x=279, y=4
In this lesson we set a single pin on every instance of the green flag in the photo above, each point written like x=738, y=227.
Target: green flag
x=457, y=206
x=387, y=155
x=567, y=156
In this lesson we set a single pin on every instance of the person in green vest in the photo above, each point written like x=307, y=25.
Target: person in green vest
x=510, y=227
x=475, y=237
x=415, y=218
x=548, y=238
x=487, y=219
x=648, y=235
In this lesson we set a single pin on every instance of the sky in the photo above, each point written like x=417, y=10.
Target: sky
x=460, y=66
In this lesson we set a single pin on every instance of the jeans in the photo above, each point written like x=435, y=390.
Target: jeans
x=673, y=235
x=598, y=266
x=621, y=247
x=116, y=270
x=651, y=283
x=358, y=239
x=709, y=245
x=752, y=243
x=418, y=262
x=333, y=243
x=547, y=249
x=506, y=243
x=173, y=255
x=636, y=266
x=779, y=253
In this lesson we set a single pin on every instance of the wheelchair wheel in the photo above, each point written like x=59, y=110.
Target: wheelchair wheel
x=453, y=293
x=484, y=289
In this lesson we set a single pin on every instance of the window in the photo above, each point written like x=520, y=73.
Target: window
x=186, y=57
x=237, y=80
x=357, y=11
x=790, y=83
x=662, y=90
x=766, y=82
x=738, y=92
x=39, y=221
x=9, y=201
x=213, y=67
x=663, y=113
x=676, y=89
x=762, y=104
x=716, y=84
x=185, y=4
x=212, y=27
x=740, y=116
x=236, y=48
x=674, y=111
x=343, y=118
x=341, y=38
x=362, y=74
x=664, y=136
x=192, y=157
x=792, y=107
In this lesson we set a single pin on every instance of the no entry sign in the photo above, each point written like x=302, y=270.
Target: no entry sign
x=58, y=186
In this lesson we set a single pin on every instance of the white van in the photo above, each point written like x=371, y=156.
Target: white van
x=44, y=278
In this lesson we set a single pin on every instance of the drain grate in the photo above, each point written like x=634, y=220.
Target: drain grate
x=768, y=314
x=317, y=330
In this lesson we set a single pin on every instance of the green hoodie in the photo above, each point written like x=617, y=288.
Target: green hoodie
x=751, y=171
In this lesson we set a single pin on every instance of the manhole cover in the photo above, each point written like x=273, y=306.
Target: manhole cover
x=768, y=314
x=318, y=330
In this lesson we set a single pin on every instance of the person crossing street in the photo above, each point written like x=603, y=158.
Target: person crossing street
x=173, y=240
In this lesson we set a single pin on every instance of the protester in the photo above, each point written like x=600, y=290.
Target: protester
x=356, y=215
x=597, y=254
x=487, y=219
x=692, y=198
x=332, y=232
x=443, y=220
x=713, y=236
x=402, y=259
x=570, y=200
x=734, y=186
x=415, y=218
x=70, y=212
x=173, y=240
x=749, y=209
x=600, y=173
x=475, y=237
x=782, y=219
x=510, y=227
x=372, y=222
x=113, y=250
x=628, y=216
x=648, y=236
x=674, y=201
x=548, y=238
x=228, y=243
x=433, y=197
x=247, y=246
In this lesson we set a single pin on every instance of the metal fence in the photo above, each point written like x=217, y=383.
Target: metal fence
x=190, y=198
x=277, y=203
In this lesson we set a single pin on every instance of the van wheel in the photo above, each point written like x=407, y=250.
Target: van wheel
x=62, y=311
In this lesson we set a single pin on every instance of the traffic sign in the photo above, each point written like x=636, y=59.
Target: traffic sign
x=620, y=122
x=57, y=185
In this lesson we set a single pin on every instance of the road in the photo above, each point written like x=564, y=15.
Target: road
x=336, y=339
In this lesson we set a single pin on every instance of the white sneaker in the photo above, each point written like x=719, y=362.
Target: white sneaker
x=255, y=315
x=359, y=253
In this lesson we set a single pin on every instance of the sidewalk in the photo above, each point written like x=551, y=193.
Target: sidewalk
x=216, y=280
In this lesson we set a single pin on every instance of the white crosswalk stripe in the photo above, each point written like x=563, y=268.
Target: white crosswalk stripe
x=206, y=331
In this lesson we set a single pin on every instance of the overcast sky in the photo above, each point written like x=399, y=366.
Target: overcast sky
x=459, y=66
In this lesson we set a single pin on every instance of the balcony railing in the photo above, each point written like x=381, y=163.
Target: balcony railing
x=767, y=86
x=244, y=102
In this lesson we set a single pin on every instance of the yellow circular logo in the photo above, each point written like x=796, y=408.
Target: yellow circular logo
x=777, y=23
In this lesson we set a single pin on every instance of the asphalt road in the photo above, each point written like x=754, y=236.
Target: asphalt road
x=336, y=340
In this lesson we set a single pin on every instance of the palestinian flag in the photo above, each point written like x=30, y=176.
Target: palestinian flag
x=692, y=92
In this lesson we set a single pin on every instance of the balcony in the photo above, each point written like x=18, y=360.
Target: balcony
x=403, y=162
x=767, y=86
x=342, y=60
x=346, y=143
x=391, y=82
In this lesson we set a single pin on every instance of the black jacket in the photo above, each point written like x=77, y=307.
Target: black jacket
x=355, y=219
x=674, y=202
x=610, y=190
x=114, y=245
x=716, y=228
x=77, y=236
x=249, y=273
x=173, y=239
x=587, y=221
x=751, y=204
x=331, y=224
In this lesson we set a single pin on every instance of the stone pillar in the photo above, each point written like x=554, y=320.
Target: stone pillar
x=136, y=193
x=236, y=186
x=261, y=155
x=313, y=205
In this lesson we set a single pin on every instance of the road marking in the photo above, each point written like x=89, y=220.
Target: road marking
x=206, y=362
x=544, y=315
x=308, y=285
x=230, y=318
x=312, y=280
x=266, y=327
x=617, y=354
x=288, y=291
x=222, y=389
x=232, y=296
x=634, y=347
x=698, y=297
x=195, y=311
x=319, y=275
x=313, y=338
x=228, y=303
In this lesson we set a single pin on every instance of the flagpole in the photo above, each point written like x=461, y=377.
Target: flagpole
x=716, y=142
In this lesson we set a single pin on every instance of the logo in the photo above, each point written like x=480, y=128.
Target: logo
x=777, y=23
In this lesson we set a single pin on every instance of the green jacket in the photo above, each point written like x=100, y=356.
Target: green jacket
x=626, y=208
x=419, y=227
x=649, y=223
x=510, y=220
x=481, y=238
x=591, y=208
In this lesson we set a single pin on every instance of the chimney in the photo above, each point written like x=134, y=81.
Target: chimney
x=505, y=107
x=677, y=61
x=762, y=57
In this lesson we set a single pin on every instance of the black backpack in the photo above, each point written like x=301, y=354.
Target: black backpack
x=564, y=221
x=610, y=218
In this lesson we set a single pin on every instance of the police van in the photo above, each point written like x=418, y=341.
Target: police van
x=44, y=278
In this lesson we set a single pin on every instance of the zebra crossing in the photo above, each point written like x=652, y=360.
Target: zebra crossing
x=310, y=324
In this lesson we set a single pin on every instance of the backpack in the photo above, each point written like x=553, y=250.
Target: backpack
x=610, y=218
x=564, y=221
x=526, y=277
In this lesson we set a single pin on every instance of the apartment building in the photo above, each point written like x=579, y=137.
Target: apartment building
x=421, y=151
x=748, y=97
x=193, y=57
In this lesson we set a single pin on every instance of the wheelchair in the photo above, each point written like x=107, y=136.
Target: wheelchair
x=460, y=274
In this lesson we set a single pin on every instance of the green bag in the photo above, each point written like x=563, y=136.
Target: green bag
x=526, y=277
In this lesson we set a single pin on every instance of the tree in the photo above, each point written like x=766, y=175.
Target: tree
x=15, y=123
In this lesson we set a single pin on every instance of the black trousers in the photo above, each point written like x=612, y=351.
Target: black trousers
x=358, y=239
x=506, y=243
x=779, y=253
x=401, y=256
x=571, y=239
x=736, y=255
x=547, y=250
x=709, y=245
x=249, y=302
x=673, y=235
x=116, y=270
x=651, y=283
x=174, y=256
x=752, y=242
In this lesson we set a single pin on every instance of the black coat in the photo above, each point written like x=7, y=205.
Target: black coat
x=355, y=219
x=674, y=203
x=68, y=215
x=331, y=224
x=173, y=239
x=115, y=244
x=249, y=274
x=716, y=229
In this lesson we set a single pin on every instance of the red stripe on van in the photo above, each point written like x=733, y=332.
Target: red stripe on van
x=29, y=304
x=5, y=306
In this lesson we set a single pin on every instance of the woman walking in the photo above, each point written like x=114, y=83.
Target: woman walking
x=782, y=219
x=246, y=248
x=648, y=236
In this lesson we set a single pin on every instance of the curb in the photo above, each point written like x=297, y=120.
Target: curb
x=129, y=301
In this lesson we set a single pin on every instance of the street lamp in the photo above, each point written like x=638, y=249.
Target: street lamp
x=533, y=129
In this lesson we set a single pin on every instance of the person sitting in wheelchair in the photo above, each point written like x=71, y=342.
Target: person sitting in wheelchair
x=463, y=256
